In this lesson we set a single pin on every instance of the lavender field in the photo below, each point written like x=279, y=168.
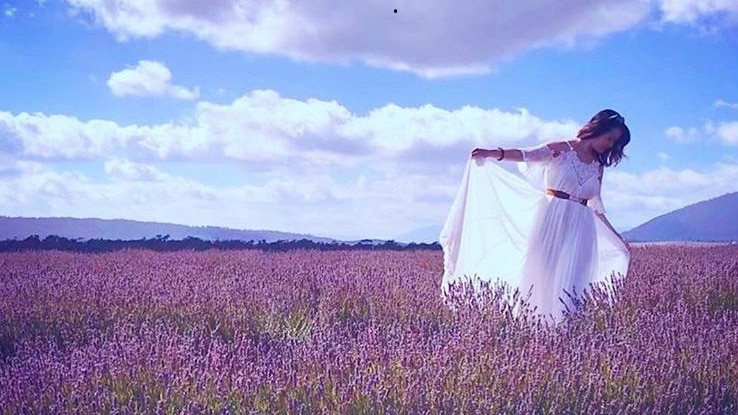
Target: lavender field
x=357, y=332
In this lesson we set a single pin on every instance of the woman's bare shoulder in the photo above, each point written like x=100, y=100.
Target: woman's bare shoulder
x=559, y=145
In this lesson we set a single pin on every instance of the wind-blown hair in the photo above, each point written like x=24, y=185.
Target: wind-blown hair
x=601, y=123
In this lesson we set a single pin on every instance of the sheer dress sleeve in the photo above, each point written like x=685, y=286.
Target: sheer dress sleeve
x=535, y=164
x=542, y=153
x=596, y=204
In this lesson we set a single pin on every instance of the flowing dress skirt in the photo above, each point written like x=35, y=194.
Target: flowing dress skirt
x=501, y=227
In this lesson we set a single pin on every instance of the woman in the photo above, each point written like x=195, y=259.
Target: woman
x=543, y=231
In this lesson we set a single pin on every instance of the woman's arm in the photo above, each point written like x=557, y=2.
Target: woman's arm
x=542, y=153
x=509, y=154
x=609, y=225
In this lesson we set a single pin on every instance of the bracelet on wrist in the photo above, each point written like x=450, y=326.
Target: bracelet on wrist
x=502, y=153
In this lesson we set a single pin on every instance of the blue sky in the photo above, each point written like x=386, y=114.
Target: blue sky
x=346, y=119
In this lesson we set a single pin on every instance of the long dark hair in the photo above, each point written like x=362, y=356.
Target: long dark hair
x=601, y=123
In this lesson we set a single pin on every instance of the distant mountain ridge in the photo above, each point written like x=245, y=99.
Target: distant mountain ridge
x=124, y=229
x=713, y=220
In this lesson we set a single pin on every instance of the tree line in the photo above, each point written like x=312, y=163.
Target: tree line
x=164, y=243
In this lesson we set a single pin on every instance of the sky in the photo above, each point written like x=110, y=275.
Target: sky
x=348, y=119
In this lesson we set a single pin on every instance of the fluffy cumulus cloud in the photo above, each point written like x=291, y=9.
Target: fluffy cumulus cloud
x=148, y=78
x=263, y=126
x=431, y=39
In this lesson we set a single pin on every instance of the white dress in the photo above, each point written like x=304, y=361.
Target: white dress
x=503, y=226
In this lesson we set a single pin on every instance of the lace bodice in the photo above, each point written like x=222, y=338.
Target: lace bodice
x=567, y=172
x=584, y=171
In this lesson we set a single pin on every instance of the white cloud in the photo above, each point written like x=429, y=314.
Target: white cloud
x=724, y=104
x=682, y=136
x=264, y=127
x=674, y=133
x=45, y=191
x=689, y=11
x=394, y=130
x=9, y=11
x=431, y=39
x=720, y=178
x=148, y=78
x=130, y=171
x=725, y=132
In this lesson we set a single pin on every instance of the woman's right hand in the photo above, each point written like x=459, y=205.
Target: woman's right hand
x=480, y=152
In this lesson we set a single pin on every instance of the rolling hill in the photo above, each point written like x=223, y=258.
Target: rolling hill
x=713, y=220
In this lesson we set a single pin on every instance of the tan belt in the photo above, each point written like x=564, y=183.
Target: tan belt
x=564, y=195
